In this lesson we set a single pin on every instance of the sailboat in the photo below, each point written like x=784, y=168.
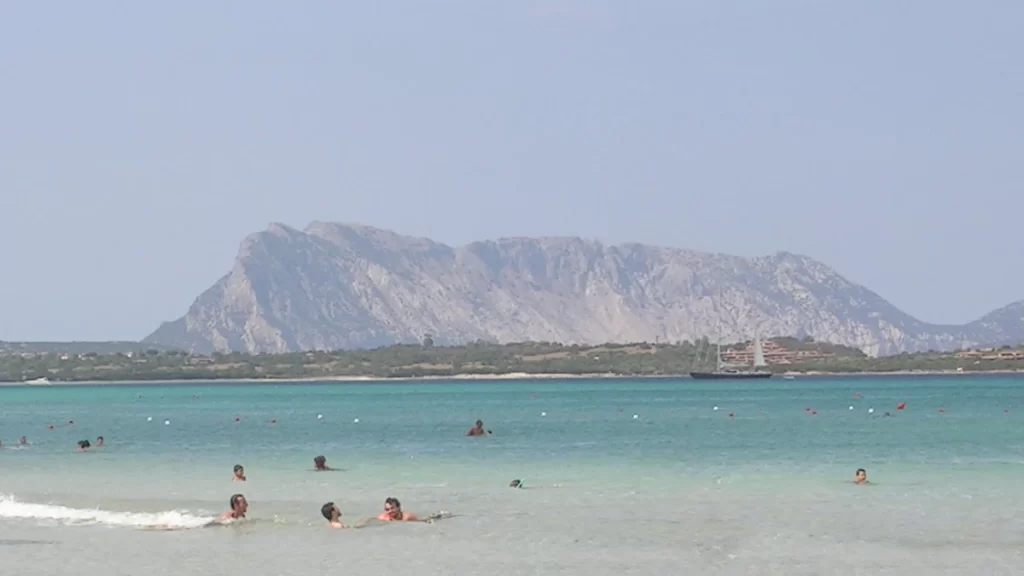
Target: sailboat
x=723, y=372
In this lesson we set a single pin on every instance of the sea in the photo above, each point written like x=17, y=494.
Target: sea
x=621, y=476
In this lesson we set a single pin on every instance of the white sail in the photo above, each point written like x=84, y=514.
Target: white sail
x=758, y=354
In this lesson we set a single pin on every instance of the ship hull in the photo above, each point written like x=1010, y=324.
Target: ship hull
x=730, y=375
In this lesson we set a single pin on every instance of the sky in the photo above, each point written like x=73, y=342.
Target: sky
x=140, y=142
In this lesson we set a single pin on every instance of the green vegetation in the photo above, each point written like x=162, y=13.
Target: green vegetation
x=479, y=358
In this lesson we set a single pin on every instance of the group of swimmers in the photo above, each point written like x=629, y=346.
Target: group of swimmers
x=393, y=512
x=392, y=507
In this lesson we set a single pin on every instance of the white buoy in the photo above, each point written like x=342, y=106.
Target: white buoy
x=319, y=416
x=356, y=420
x=715, y=408
x=543, y=413
x=851, y=407
x=167, y=422
x=871, y=410
x=150, y=419
x=636, y=416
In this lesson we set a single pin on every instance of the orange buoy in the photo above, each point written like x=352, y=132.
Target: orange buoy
x=901, y=405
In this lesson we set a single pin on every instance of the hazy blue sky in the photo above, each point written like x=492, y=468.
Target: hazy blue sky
x=141, y=141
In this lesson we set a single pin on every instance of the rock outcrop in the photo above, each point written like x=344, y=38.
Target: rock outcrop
x=336, y=286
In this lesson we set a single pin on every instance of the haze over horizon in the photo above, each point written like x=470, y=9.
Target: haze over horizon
x=140, y=143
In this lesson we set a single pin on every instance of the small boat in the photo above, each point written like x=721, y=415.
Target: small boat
x=38, y=381
x=723, y=373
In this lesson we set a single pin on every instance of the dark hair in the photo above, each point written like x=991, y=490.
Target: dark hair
x=326, y=510
x=393, y=501
x=859, y=470
x=320, y=458
x=84, y=444
x=234, y=500
x=99, y=438
x=515, y=483
x=238, y=467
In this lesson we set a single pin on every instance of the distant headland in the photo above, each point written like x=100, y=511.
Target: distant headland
x=132, y=362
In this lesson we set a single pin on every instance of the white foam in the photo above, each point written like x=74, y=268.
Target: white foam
x=169, y=520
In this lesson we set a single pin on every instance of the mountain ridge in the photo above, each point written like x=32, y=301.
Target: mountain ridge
x=336, y=285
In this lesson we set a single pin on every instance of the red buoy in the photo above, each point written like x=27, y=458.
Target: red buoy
x=901, y=405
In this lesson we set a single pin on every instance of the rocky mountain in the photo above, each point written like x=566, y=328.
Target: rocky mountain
x=335, y=286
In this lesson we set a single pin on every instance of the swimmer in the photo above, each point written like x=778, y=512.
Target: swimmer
x=239, y=475
x=23, y=441
x=517, y=483
x=83, y=445
x=861, y=477
x=333, y=515
x=239, y=505
x=320, y=464
x=393, y=513
x=99, y=441
x=478, y=429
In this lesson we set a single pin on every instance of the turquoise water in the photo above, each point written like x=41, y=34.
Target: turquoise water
x=679, y=486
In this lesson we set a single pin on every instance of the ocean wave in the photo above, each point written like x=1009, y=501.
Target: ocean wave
x=168, y=520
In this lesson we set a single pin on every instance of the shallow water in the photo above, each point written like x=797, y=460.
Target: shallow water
x=680, y=488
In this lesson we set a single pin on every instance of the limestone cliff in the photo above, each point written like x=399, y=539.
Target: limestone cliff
x=334, y=286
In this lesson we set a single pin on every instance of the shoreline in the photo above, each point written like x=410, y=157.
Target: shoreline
x=486, y=377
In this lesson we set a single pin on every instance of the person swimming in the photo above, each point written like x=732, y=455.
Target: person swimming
x=99, y=441
x=23, y=441
x=320, y=464
x=478, y=429
x=332, y=514
x=861, y=476
x=517, y=483
x=239, y=506
x=83, y=445
x=393, y=513
x=239, y=473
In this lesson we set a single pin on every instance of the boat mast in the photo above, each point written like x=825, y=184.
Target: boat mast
x=758, y=353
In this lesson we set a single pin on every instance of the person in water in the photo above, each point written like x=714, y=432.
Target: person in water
x=23, y=441
x=239, y=506
x=517, y=483
x=478, y=429
x=99, y=441
x=333, y=515
x=861, y=476
x=83, y=445
x=393, y=513
x=320, y=464
x=239, y=475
